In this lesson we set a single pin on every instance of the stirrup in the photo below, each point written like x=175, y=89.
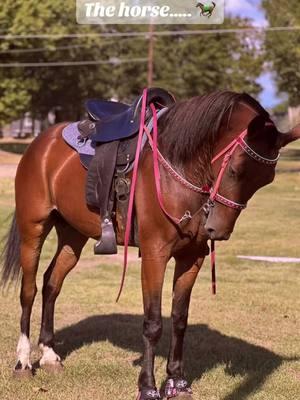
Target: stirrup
x=107, y=244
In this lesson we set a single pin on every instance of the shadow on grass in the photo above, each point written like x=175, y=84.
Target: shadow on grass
x=205, y=348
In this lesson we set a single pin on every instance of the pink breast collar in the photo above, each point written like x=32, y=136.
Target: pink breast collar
x=213, y=192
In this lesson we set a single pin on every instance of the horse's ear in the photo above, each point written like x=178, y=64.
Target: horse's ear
x=256, y=126
x=286, y=138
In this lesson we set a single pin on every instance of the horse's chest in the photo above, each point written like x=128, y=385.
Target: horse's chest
x=193, y=239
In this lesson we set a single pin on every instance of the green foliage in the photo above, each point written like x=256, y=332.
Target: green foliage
x=283, y=48
x=40, y=89
x=195, y=65
x=14, y=94
x=186, y=65
x=281, y=108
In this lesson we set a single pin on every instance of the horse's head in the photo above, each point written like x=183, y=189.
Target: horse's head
x=250, y=167
x=200, y=5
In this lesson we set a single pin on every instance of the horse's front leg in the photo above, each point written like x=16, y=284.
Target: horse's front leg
x=153, y=271
x=185, y=275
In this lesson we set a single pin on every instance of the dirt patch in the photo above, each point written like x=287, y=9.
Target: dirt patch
x=9, y=158
x=8, y=164
x=8, y=170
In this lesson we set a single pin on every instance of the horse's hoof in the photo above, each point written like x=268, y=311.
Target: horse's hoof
x=178, y=388
x=54, y=368
x=148, y=394
x=22, y=373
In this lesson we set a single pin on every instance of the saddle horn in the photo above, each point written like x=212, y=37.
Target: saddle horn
x=159, y=97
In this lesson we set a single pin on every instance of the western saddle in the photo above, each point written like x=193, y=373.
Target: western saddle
x=114, y=127
x=116, y=121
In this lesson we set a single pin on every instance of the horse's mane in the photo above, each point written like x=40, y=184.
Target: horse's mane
x=190, y=128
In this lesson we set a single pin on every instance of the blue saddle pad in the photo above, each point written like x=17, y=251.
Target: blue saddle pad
x=85, y=147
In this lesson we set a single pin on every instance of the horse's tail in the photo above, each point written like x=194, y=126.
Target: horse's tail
x=10, y=256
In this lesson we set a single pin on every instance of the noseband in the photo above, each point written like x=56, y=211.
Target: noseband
x=228, y=153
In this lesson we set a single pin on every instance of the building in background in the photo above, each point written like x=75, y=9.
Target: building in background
x=25, y=127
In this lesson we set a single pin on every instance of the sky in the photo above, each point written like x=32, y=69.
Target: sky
x=251, y=9
x=247, y=8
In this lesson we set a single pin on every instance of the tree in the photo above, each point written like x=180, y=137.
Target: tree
x=186, y=65
x=40, y=89
x=283, y=48
x=196, y=64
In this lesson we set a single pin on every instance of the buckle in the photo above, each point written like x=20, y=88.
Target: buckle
x=122, y=188
x=187, y=216
x=207, y=206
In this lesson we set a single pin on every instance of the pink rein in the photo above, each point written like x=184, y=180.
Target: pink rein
x=132, y=190
x=157, y=156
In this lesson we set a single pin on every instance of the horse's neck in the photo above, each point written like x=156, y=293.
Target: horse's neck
x=237, y=120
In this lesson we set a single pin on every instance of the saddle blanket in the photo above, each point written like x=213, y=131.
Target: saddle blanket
x=85, y=147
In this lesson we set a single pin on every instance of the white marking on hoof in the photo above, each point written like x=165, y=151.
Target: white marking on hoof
x=23, y=351
x=49, y=355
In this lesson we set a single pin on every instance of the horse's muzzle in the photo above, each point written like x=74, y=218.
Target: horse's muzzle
x=215, y=235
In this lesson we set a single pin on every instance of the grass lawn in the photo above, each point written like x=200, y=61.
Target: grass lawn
x=242, y=344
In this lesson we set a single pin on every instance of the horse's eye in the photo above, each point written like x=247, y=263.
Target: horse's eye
x=232, y=172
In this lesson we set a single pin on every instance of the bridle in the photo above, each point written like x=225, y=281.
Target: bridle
x=227, y=153
x=213, y=192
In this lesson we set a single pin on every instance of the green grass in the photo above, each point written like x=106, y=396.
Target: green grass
x=241, y=344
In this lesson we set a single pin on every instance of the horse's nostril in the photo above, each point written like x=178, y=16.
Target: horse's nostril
x=211, y=232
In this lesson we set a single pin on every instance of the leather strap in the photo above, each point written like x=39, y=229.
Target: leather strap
x=132, y=191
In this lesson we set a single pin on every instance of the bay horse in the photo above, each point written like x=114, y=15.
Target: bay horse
x=50, y=192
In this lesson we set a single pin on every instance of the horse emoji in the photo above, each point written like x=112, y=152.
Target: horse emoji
x=207, y=9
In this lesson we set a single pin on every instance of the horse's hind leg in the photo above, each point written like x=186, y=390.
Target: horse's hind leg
x=32, y=238
x=186, y=272
x=70, y=245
